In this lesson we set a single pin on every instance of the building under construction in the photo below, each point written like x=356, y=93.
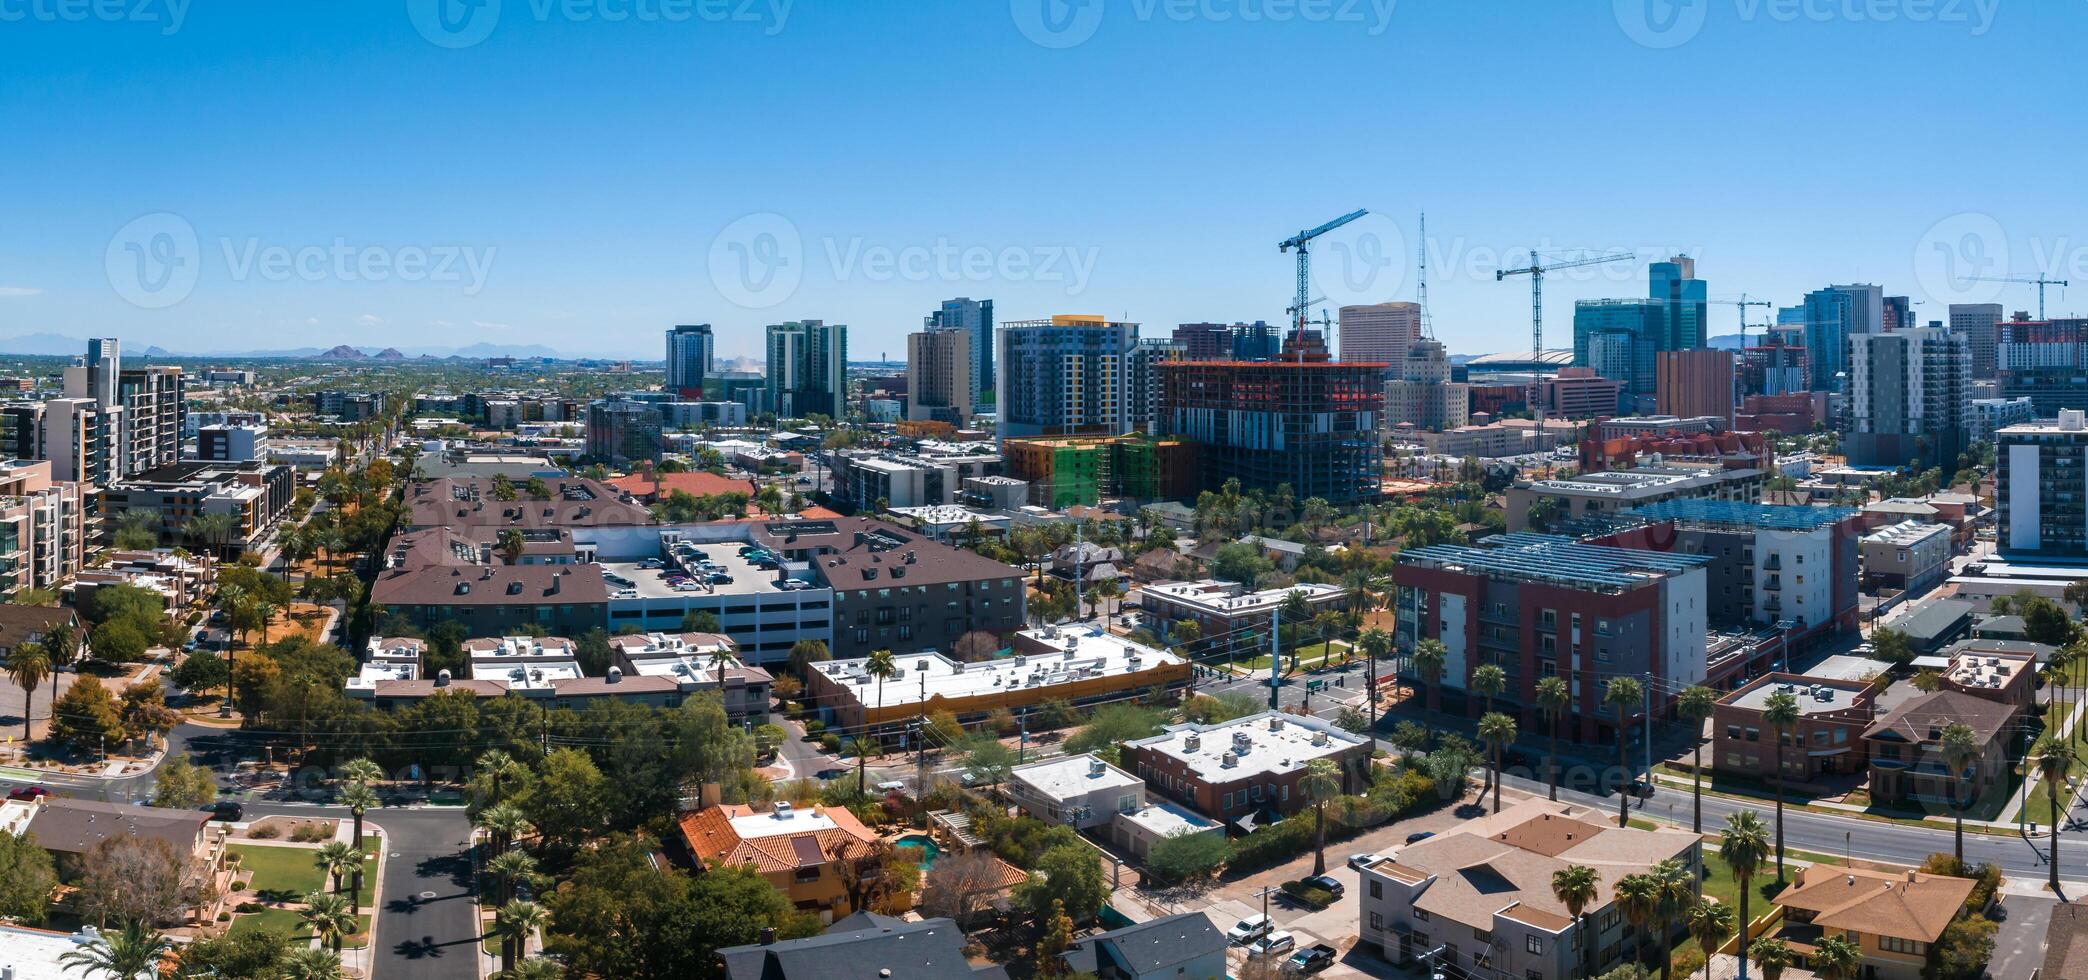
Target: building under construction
x=1304, y=420
x=1066, y=471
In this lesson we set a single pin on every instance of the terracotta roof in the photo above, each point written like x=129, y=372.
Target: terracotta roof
x=1908, y=905
x=695, y=483
x=711, y=838
x=861, y=553
x=1913, y=720
x=429, y=568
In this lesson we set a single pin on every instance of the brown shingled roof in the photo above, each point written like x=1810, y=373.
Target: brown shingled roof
x=1908, y=905
x=1914, y=720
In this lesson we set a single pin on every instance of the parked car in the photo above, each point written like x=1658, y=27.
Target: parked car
x=1327, y=883
x=1418, y=838
x=1311, y=959
x=224, y=810
x=1273, y=944
x=1358, y=862
x=29, y=793
x=1249, y=929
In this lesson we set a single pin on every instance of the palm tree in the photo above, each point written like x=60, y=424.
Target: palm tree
x=1678, y=892
x=2053, y=763
x=1429, y=655
x=328, y=918
x=29, y=665
x=1960, y=749
x=1695, y=705
x=1497, y=731
x=533, y=969
x=312, y=963
x=503, y=823
x=1489, y=680
x=880, y=665
x=1638, y=897
x=1710, y=923
x=126, y=955
x=1553, y=695
x=1781, y=714
x=1744, y=847
x=1770, y=954
x=862, y=747
x=1375, y=644
x=1623, y=695
x=513, y=924
x=1576, y=886
x=358, y=798
x=61, y=642
x=336, y=859
x=512, y=868
x=1835, y=958
x=1320, y=784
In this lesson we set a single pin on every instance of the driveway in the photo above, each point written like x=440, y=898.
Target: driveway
x=2019, y=945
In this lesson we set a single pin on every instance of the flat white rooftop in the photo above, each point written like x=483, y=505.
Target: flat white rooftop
x=1166, y=820
x=1217, y=598
x=1077, y=775
x=33, y=954
x=385, y=670
x=1907, y=532
x=780, y=822
x=1079, y=654
x=1267, y=742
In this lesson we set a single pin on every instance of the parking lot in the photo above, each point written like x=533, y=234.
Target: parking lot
x=644, y=582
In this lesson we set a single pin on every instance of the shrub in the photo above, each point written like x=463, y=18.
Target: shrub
x=224, y=917
x=248, y=908
x=266, y=831
x=1312, y=895
x=830, y=742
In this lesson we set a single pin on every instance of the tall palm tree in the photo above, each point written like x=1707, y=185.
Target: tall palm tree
x=29, y=665
x=312, y=963
x=336, y=859
x=1576, y=886
x=1770, y=954
x=1622, y=696
x=362, y=770
x=513, y=924
x=1320, y=784
x=1780, y=712
x=133, y=952
x=880, y=665
x=1744, y=847
x=1553, y=695
x=1695, y=704
x=2052, y=764
x=328, y=918
x=1429, y=655
x=359, y=798
x=1375, y=644
x=232, y=601
x=1960, y=748
x=862, y=747
x=1638, y=897
x=1497, y=731
x=1678, y=893
x=1835, y=958
x=62, y=643
x=503, y=823
x=1489, y=680
x=510, y=869
x=1710, y=923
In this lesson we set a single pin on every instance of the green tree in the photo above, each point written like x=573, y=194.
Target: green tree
x=1186, y=856
x=1498, y=732
x=1960, y=749
x=1576, y=886
x=308, y=963
x=1240, y=562
x=201, y=672
x=1964, y=949
x=29, y=665
x=1892, y=646
x=1771, y=956
x=1710, y=924
x=988, y=762
x=805, y=653
x=2045, y=621
x=86, y=717
x=1622, y=696
x=1835, y=958
x=1638, y=897
x=514, y=924
x=567, y=802
x=1114, y=724
x=119, y=641
x=1677, y=885
x=1429, y=655
x=251, y=954
x=510, y=870
x=1069, y=875
x=28, y=876
x=2051, y=764
x=1781, y=714
x=1743, y=849
x=328, y=918
x=181, y=784
x=1321, y=783
x=124, y=954
x=1695, y=706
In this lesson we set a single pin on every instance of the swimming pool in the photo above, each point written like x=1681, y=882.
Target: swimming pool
x=928, y=848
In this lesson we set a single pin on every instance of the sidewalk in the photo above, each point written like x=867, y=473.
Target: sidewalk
x=358, y=962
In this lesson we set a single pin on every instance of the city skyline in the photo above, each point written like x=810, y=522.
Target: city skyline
x=477, y=225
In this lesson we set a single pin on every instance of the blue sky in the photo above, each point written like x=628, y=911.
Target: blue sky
x=549, y=176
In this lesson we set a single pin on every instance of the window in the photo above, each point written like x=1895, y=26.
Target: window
x=1754, y=734
x=1533, y=974
x=1535, y=944
x=1377, y=922
x=1894, y=944
x=1482, y=935
x=1377, y=890
x=1420, y=915
x=1732, y=731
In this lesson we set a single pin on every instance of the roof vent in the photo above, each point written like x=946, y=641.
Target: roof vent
x=1192, y=742
x=615, y=674
x=442, y=677
x=1097, y=767
x=1275, y=723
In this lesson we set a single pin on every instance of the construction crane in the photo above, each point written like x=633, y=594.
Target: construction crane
x=1743, y=303
x=1301, y=309
x=2039, y=281
x=1536, y=270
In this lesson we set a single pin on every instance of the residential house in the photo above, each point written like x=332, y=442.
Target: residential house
x=863, y=945
x=1906, y=754
x=1893, y=917
x=801, y=852
x=1187, y=946
x=31, y=624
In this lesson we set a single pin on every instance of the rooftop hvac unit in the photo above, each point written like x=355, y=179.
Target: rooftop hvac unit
x=1319, y=738
x=921, y=664
x=1192, y=742
x=1229, y=760
x=1275, y=723
x=1097, y=767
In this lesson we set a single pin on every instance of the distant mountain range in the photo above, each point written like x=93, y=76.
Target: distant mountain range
x=59, y=345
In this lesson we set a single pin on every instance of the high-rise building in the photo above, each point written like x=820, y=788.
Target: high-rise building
x=1831, y=317
x=1421, y=392
x=974, y=317
x=1143, y=396
x=79, y=437
x=1774, y=368
x=1896, y=314
x=1980, y=324
x=1674, y=285
x=1695, y=383
x=1618, y=338
x=2045, y=361
x=153, y=400
x=1379, y=332
x=2041, y=503
x=1910, y=398
x=689, y=351
x=808, y=368
x=940, y=378
x=1069, y=375
x=1257, y=341
x=1301, y=420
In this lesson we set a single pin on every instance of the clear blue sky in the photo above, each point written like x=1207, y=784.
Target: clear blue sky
x=598, y=164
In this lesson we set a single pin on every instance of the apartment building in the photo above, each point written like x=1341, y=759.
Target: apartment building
x=808, y=368
x=1379, y=332
x=1248, y=766
x=1069, y=375
x=1301, y=420
x=1893, y=917
x=439, y=575
x=1615, y=491
x=254, y=495
x=231, y=443
x=973, y=317
x=689, y=352
x=1980, y=325
x=941, y=376
x=2045, y=361
x=1833, y=714
x=1421, y=393
x=1695, y=383
x=1906, y=748
x=1769, y=563
x=2040, y=499
x=43, y=527
x=697, y=662
x=1910, y=556
x=1910, y=396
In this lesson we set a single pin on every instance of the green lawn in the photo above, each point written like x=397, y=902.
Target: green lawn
x=287, y=874
x=1310, y=655
x=286, y=922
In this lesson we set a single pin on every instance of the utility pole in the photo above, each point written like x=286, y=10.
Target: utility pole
x=921, y=759
x=1646, y=735
x=1275, y=653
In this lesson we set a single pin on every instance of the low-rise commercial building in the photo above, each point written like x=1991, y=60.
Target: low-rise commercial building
x=1227, y=607
x=1248, y=766
x=1909, y=556
x=1614, y=491
x=696, y=662
x=1833, y=715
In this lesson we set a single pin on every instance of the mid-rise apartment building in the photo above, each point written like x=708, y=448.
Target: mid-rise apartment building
x=1910, y=397
x=1615, y=491
x=1069, y=375
x=941, y=376
x=1302, y=420
x=1380, y=332
x=253, y=495
x=1246, y=767
x=2040, y=499
x=808, y=368
x=975, y=319
x=1695, y=383
x=43, y=527
x=2045, y=361
x=231, y=443
x=689, y=352
x=1980, y=325
x=1421, y=393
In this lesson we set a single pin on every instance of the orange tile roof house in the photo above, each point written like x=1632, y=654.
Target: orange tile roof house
x=651, y=486
x=1893, y=917
x=798, y=851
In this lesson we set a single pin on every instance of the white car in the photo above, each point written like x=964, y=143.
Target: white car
x=1249, y=929
x=1273, y=944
